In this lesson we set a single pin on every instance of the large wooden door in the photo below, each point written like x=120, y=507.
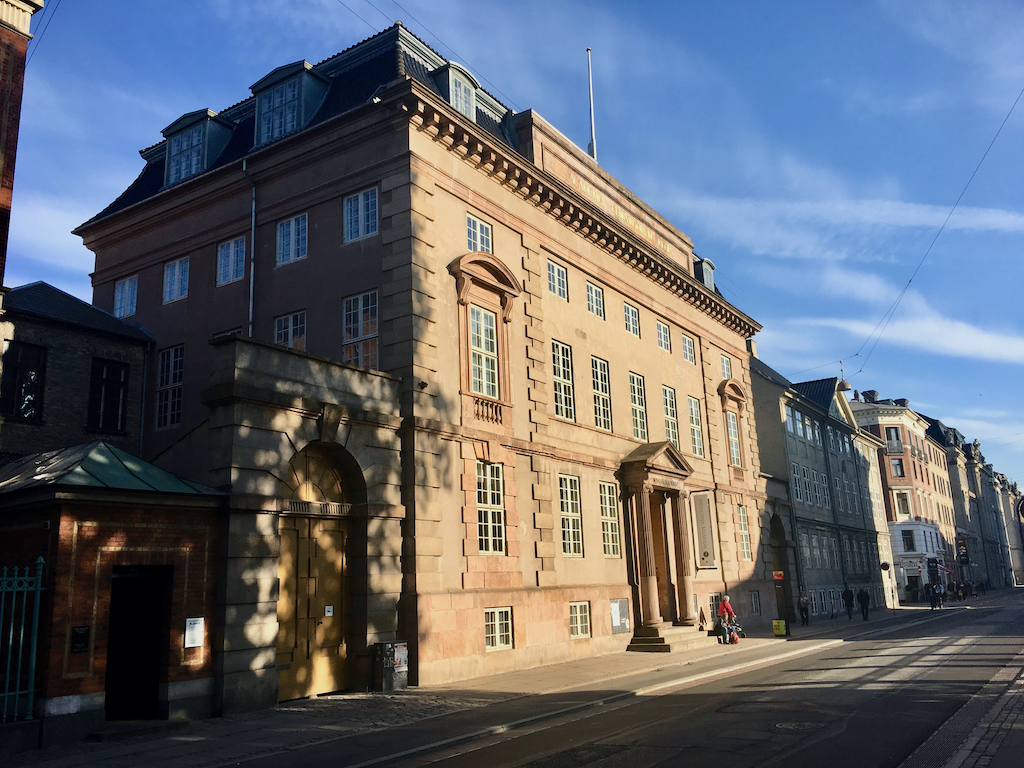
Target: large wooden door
x=311, y=610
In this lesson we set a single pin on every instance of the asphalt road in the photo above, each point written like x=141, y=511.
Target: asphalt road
x=861, y=704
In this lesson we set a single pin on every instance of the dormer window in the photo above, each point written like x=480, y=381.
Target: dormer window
x=185, y=156
x=462, y=94
x=279, y=111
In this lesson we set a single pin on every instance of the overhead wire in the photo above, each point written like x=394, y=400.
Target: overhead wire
x=39, y=35
x=349, y=9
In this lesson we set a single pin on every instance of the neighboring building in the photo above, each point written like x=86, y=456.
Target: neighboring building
x=809, y=441
x=917, y=492
x=982, y=483
x=1010, y=503
x=71, y=373
x=558, y=455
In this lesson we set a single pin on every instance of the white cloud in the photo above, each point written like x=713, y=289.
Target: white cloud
x=41, y=231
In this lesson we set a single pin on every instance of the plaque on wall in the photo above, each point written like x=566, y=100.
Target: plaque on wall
x=194, y=632
x=620, y=615
x=705, y=531
x=79, y=639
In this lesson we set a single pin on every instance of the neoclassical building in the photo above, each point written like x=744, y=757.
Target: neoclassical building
x=463, y=389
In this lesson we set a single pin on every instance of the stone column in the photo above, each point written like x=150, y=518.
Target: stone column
x=649, y=608
x=681, y=523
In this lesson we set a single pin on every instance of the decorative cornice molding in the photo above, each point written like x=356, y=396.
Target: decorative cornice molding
x=547, y=193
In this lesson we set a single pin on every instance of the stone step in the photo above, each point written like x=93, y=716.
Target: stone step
x=671, y=640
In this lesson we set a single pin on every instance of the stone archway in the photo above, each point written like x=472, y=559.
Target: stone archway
x=781, y=563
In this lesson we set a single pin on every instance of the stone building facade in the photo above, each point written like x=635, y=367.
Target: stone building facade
x=500, y=390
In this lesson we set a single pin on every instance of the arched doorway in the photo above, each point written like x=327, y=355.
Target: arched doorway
x=313, y=607
x=781, y=565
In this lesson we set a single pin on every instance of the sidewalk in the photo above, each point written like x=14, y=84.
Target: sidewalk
x=457, y=712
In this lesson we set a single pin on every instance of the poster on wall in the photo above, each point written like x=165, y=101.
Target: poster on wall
x=705, y=531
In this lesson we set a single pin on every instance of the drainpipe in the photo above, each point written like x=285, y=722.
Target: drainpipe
x=252, y=246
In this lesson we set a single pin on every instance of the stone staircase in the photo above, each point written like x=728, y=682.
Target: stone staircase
x=669, y=639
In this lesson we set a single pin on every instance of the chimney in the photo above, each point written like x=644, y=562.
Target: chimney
x=902, y=402
x=752, y=347
x=870, y=395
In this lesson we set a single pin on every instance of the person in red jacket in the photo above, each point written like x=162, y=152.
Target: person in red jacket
x=725, y=615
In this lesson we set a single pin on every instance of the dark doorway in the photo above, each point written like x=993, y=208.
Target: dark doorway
x=780, y=566
x=137, y=641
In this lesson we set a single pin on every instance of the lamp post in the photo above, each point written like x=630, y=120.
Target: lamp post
x=895, y=597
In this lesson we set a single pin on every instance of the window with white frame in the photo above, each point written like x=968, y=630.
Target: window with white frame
x=726, y=367
x=755, y=602
x=595, y=300
x=169, y=378
x=462, y=95
x=478, y=235
x=807, y=485
x=790, y=419
x=361, y=215
x=835, y=554
x=797, y=489
x=558, y=280
x=126, y=294
x=483, y=351
x=831, y=439
x=689, y=354
x=602, y=393
x=579, y=620
x=291, y=239
x=815, y=551
x=733, y=429
x=231, y=261
x=714, y=600
x=185, y=155
x=359, y=344
x=632, y=315
x=638, y=401
x=664, y=337
x=839, y=495
x=290, y=330
x=817, y=433
x=279, y=111
x=696, y=428
x=824, y=491
x=490, y=508
x=497, y=628
x=817, y=488
x=668, y=398
x=745, y=551
x=572, y=516
x=175, y=280
x=561, y=380
x=607, y=496
x=805, y=550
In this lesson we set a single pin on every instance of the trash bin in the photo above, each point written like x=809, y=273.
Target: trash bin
x=391, y=667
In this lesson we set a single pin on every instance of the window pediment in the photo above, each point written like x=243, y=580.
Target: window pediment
x=489, y=272
x=732, y=390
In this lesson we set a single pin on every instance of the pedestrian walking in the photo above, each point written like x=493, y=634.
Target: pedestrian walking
x=865, y=602
x=725, y=615
x=929, y=590
x=848, y=602
x=940, y=594
x=805, y=603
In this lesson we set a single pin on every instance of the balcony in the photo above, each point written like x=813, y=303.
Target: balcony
x=486, y=410
x=894, y=447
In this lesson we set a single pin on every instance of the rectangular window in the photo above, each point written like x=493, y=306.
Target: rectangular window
x=490, y=508
x=831, y=439
x=824, y=491
x=744, y=532
x=790, y=420
x=726, y=367
x=805, y=550
x=816, y=551
x=291, y=239
x=602, y=393
x=689, y=355
x=478, y=235
x=817, y=433
x=126, y=294
x=558, y=280
x=797, y=489
x=231, y=261
x=21, y=388
x=497, y=629
x=755, y=602
x=108, y=396
x=632, y=315
x=595, y=300
x=714, y=600
x=175, y=280
x=561, y=375
x=664, y=337
x=668, y=397
x=572, y=517
x=579, y=620
x=290, y=330
x=361, y=215
x=908, y=541
x=733, y=428
x=835, y=554
x=903, y=504
x=609, y=520
x=638, y=400
x=696, y=430
x=483, y=346
x=359, y=331
x=185, y=158
x=897, y=468
x=170, y=373
x=839, y=495
x=279, y=111
x=817, y=488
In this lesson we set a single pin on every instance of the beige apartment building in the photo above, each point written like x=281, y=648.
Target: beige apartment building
x=462, y=387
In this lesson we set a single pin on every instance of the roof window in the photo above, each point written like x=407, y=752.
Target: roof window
x=287, y=99
x=193, y=142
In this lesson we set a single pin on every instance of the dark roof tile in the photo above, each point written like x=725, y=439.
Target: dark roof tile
x=820, y=392
x=43, y=301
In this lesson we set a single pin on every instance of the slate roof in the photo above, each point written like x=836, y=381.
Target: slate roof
x=356, y=74
x=820, y=391
x=759, y=366
x=94, y=465
x=44, y=302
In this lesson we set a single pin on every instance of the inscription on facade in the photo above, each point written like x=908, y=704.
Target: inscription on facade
x=705, y=531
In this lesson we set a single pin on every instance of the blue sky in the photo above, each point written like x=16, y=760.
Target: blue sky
x=811, y=150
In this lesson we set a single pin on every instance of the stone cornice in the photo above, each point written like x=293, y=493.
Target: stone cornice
x=547, y=193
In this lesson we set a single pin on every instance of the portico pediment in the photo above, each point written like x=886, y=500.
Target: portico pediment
x=656, y=464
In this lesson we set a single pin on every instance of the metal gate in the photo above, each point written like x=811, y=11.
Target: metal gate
x=19, y=636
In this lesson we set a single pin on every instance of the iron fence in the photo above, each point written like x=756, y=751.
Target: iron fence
x=20, y=594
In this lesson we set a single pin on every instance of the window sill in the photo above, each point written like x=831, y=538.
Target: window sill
x=175, y=301
x=361, y=238
x=290, y=261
